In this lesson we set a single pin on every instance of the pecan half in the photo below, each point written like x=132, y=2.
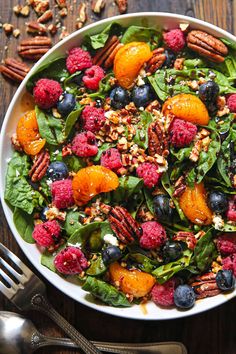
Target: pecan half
x=48, y=15
x=40, y=166
x=187, y=237
x=14, y=69
x=207, y=45
x=106, y=55
x=82, y=11
x=124, y=225
x=34, y=48
x=205, y=286
x=157, y=60
x=122, y=5
x=157, y=140
x=35, y=27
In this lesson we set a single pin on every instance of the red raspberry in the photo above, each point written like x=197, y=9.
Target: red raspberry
x=46, y=93
x=148, y=171
x=92, y=118
x=231, y=102
x=84, y=144
x=47, y=234
x=78, y=59
x=229, y=263
x=92, y=77
x=231, y=212
x=62, y=194
x=226, y=243
x=153, y=236
x=111, y=159
x=182, y=133
x=71, y=260
x=163, y=295
x=175, y=40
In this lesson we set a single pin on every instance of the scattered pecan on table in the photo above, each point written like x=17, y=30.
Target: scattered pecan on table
x=35, y=27
x=122, y=5
x=98, y=6
x=82, y=18
x=14, y=69
x=34, y=48
x=106, y=55
x=39, y=168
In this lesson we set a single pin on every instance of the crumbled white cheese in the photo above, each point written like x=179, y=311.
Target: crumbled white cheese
x=56, y=152
x=163, y=168
x=140, y=81
x=108, y=114
x=78, y=244
x=111, y=240
x=218, y=221
x=49, y=182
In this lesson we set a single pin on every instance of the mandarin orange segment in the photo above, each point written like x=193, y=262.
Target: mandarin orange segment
x=187, y=107
x=129, y=60
x=27, y=132
x=193, y=202
x=133, y=282
x=92, y=180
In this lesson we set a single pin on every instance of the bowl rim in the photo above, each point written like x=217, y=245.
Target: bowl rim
x=24, y=245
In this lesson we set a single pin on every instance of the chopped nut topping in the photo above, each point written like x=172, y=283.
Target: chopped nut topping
x=8, y=28
x=98, y=5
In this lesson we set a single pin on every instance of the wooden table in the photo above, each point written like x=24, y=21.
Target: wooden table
x=212, y=332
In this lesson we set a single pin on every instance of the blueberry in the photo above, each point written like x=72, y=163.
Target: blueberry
x=209, y=91
x=225, y=280
x=218, y=202
x=43, y=214
x=141, y=95
x=66, y=104
x=111, y=254
x=162, y=208
x=57, y=170
x=119, y=97
x=184, y=296
x=170, y=58
x=172, y=251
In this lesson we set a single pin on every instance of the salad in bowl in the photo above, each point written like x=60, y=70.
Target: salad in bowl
x=124, y=169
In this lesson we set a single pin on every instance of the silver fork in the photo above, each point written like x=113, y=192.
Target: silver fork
x=30, y=294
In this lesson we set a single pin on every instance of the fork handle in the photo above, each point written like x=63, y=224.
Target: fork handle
x=41, y=304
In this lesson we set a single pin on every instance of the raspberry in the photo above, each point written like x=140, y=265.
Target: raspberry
x=84, y=144
x=174, y=40
x=92, y=118
x=229, y=263
x=46, y=234
x=62, y=194
x=182, y=133
x=46, y=93
x=92, y=77
x=111, y=159
x=78, y=59
x=153, y=236
x=231, y=212
x=71, y=260
x=231, y=102
x=148, y=171
x=226, y=243
x=163, y=295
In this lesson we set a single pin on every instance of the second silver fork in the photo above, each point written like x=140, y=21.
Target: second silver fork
x=30, y=294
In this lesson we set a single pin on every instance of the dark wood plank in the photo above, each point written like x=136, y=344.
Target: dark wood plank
x=212, y=332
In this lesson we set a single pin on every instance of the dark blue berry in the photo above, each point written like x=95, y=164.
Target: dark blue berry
x=218, y=201
x=209, y=91
x=57, y=170
x=119, y=97
x=43, y=214
x=111, y=254
x=66, y=104
x=162, y=208
x=172, y=251
x=141, y=95
x=184, y=296
x=170, y=59
x=225, y=280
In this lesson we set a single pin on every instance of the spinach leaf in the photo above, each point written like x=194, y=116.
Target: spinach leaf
x=74, y=163
x=140, y=34
x=24, y=225
x=96, y=267
x=82, y=234
x=194, y=63
x=47, y=259
x=50, y=128
x=167, y=271
x=224, y=159
x=149, y=200
x=143, y=262
x=141, y=135
x=229, y=43
x=104, y=87
x=105, y=292
x=54, y=69
x=72, y=223
x=227, y=228
x=71, y=120
x=97, y=41
x=18, y=192
x=204, y=252
x=128, y=186
x=182, y=154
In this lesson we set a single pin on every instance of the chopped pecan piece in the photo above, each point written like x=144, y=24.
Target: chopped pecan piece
x=61, y=3
x=205, y=286
x=98, y=5
x=124, y=225
x=8, y=28
x=157, y=140
x=14, y=69
x=48, y=15
x=82, y=11
x=15, y=142
x=207, y=45
x=40, y=166
x=187, y=237
x=35, y=27
x=106, y=55
x=157, y=60
x=39, y=6
x=122, y=5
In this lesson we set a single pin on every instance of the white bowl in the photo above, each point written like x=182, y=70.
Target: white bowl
x=162, y=20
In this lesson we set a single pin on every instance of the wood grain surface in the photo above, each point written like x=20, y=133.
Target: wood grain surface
x=212, y=332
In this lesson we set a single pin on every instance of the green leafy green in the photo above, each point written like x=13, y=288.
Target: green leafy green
x=24, y=225
x=72, y=222
x=224, y=159
x=83, y=233
x=128, y=186
x=105, y=292
x=181, y=154
x=166, y=271
x=71, y=120
x=98, y=40
x=229, y=43
x=140, y=34
x=143, y=262
x=204, y=252
x=149, y=200
x=74, y=163
x=104, y=87
x=47, y=259
x=96, y=267
x=141, y=135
